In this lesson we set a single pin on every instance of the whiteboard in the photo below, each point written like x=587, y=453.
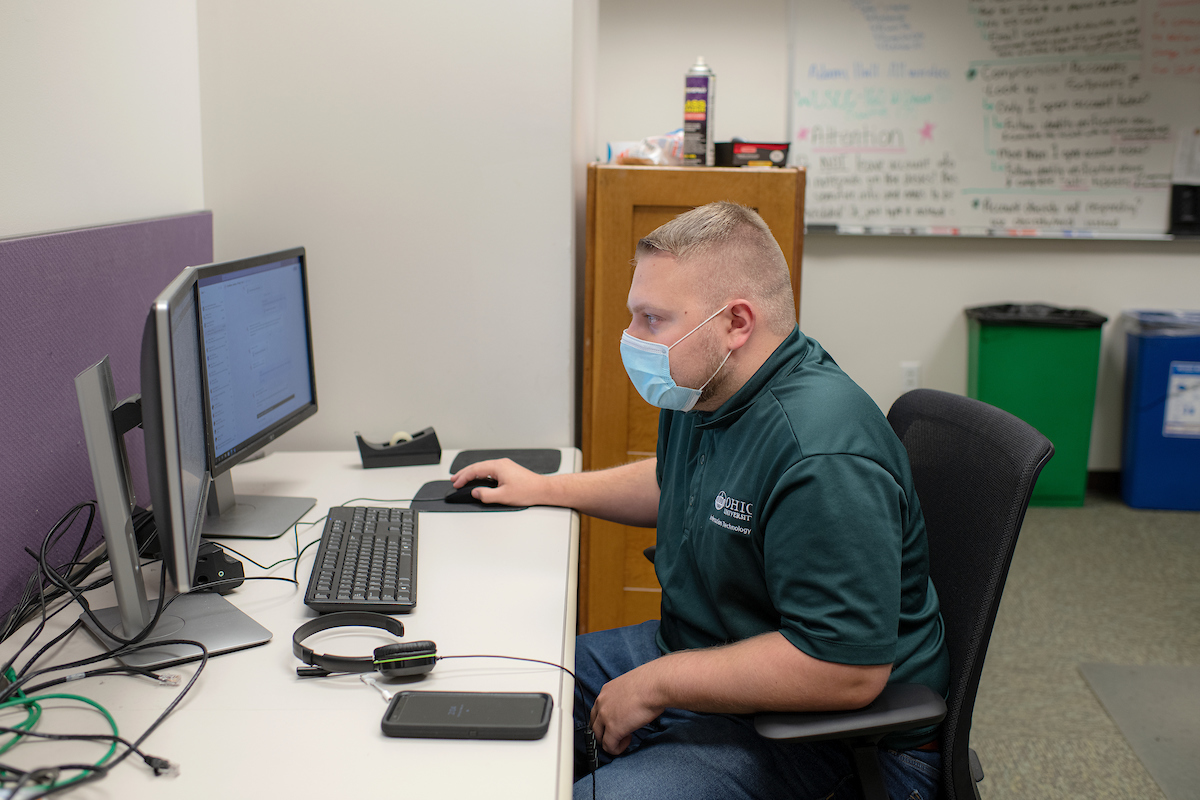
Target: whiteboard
x=992, y=117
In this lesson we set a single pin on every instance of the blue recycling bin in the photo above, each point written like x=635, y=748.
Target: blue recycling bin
x=1160, y=454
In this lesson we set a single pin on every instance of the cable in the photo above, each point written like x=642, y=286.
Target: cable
x=301, y=550
x=87, y=609
x=161, y=766
x=172, y=680
x=77, y=569
x=44, y=586
x=64, y=581
x=33, y=713
x=28, y=641
x=25, y=605
x=516, y=658
x=175, y=702
x=55, y=784
x=589, y=735
x=76, y=593
x=48, y=777
x=25, y=676
x=296, y=558
x=296, y=568
x=376, y=500
x=245, y=557
x=70, y=629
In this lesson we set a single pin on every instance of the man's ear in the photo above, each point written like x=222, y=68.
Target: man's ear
x=741, y=324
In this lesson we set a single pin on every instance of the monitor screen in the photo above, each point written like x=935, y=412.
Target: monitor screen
x=173, y=419
x=257, y=349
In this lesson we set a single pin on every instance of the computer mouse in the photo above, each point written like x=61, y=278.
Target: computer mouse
x=463, y=494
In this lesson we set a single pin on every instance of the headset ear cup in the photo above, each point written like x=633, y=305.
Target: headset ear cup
x=405, y=659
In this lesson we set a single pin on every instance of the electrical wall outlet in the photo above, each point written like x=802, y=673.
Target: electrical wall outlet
x=910, y=376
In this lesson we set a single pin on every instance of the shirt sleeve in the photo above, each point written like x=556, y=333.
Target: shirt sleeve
x=832, y=552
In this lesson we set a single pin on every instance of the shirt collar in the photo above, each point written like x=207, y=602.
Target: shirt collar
x=785, y=359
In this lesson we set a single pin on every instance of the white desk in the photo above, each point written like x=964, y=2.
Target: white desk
x=493, y=583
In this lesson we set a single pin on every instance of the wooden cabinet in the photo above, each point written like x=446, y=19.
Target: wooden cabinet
x=617, y=583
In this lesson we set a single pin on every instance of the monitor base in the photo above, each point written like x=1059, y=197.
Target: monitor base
x=257, y=517
x=205, y=617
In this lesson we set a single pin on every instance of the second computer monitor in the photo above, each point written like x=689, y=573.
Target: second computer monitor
x=172, y=416
x=259, y=380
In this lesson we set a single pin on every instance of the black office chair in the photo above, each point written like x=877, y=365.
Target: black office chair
x=974, y=467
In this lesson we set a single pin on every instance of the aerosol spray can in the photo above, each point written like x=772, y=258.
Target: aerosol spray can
x=700, y=89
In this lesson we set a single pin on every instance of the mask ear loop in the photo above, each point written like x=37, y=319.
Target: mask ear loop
x=698, y=327
x=696, y=397
x=710, y=377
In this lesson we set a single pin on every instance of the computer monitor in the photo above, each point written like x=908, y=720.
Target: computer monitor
x=259, y=381
x=172, y=415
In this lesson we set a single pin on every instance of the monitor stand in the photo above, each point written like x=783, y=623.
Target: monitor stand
x=205, y=617
x=250, y=516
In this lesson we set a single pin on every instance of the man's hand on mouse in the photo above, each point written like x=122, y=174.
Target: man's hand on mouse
x=515, y=485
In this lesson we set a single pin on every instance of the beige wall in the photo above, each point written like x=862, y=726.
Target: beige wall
x=422, y=152
x=645, y=49
x=428, y=155
x=875, y=302
x=99, y=113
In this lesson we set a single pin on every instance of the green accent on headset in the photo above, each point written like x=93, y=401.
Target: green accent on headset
x=404, y=658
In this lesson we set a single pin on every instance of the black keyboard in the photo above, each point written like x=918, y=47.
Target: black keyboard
x=367, y=561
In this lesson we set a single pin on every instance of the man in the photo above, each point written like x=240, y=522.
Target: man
x=791, y=548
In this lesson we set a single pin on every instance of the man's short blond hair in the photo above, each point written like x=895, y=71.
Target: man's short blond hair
x=741, y=257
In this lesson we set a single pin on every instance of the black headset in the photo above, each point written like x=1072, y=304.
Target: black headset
x=400, y=660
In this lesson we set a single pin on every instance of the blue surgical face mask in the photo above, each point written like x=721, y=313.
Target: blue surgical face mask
x=649, y=367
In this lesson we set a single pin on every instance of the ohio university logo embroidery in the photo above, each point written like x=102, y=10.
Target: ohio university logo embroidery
x=730, y=512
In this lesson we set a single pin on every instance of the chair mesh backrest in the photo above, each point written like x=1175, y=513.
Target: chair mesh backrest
x=974, y=467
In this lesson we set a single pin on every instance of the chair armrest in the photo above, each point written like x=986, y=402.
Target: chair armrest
x=900, y=706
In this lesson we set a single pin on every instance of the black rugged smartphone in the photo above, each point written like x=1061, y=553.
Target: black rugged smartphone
x=468, y=715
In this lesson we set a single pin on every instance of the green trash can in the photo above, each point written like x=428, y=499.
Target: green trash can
x=1039, y=363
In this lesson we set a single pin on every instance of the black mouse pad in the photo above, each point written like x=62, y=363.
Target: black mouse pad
x=430, y=497
x=543, y=462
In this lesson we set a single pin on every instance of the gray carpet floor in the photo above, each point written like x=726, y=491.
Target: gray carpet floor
x=1102, y=584
x=1157, y=709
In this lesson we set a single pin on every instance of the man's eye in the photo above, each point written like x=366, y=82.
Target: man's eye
x=651, y=319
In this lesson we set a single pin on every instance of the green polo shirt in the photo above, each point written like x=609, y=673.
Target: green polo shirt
x=791, y=508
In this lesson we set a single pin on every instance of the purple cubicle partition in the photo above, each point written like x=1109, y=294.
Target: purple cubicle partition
x=67, y=300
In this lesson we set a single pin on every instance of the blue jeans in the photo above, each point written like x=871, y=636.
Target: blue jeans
x=693, y=756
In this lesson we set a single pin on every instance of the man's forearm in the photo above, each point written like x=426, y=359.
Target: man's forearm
x=627, y=494
x=765, y=673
